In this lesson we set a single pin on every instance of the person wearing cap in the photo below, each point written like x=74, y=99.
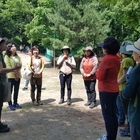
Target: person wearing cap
x=12, y=59
x=131, y=92
x=66, y=63
x=108, y=87
x=122, y=104
x=3, y=80
x=88, y=67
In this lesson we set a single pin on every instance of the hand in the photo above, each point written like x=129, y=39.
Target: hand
x=65, y=57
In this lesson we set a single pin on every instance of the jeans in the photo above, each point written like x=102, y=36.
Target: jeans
x=1, y=98
x=27, y=83
x=90, y=90
x=120, y=110
x=134, y=132
x=14, y=84
x=108, y=105
x=65, y=79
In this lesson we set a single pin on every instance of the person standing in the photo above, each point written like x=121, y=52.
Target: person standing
x=12, y=60
x=131, y=92
x=88, y=68
x=122, y=104
x=66, y=63
x=27, y=81
x=108, y=87
x=3, y=80
x=36, y=65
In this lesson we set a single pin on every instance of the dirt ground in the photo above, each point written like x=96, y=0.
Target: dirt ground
x=52, y=121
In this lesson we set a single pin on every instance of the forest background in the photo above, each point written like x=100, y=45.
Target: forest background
x=77, y=23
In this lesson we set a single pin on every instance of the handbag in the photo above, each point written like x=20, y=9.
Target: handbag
x=7, y=92
x=27, y=74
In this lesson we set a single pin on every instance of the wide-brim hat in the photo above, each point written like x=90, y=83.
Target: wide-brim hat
x=134, y=47
x=123, y=48
x=88, y=48
x=65, y=48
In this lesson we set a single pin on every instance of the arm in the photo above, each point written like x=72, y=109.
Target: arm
x=102, y=70
x=95, y=64
x=123, y=78
x=60, y=60
x=42, y=68
x=29, y=65
x=131, y=87
x=72, y=64
x=6, y=70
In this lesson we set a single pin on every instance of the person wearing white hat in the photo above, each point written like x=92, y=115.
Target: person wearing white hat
x=88, y=69
x=66, y=63
x=131, y=92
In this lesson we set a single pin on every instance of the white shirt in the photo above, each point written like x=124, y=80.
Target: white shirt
x=65, y=68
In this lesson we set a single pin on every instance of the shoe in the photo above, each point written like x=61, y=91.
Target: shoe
x=11, y=107
x=17, y=106
x=87, y=104
x=125, y=132
x=3, y=125
x=61, y=101
x=68, y=102
x=35, y=103
x=102, y=138
x=40, y=103
x=92, y=105
x=4, y=128
x=25, y=88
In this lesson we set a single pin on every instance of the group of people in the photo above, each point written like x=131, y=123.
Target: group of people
x=119, y=96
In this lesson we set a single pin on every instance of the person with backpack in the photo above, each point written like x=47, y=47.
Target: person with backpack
x=131, y=92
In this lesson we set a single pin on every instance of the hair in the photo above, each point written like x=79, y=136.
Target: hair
x=2, y=41
x=34, y=48
x=111, y=45
x=8, y=51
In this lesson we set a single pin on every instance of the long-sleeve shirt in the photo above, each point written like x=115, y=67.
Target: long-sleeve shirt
x=107, y=73
x=89, y=65
x=64, y=68
x=131, y=92
x=11, y=62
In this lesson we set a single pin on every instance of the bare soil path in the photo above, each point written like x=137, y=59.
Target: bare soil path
x=52, y=121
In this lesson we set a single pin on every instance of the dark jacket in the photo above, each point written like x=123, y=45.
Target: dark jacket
x=132, y=92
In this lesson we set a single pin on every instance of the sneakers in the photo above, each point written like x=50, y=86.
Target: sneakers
x=4, y=128
x=17, y=106
x=125, y=132
x=39, y=103
x=102, y=138
x=68, y=102
x=61, y=101
x=11, y=107
x=88, y=103
x=25, y=88
x=92, y=105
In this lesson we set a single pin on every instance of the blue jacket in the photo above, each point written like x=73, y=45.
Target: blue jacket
x=132, y=92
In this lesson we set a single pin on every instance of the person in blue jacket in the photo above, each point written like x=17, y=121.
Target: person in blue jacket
x=131, y=92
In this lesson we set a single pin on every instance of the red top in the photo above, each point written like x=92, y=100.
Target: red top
x=107, y=73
